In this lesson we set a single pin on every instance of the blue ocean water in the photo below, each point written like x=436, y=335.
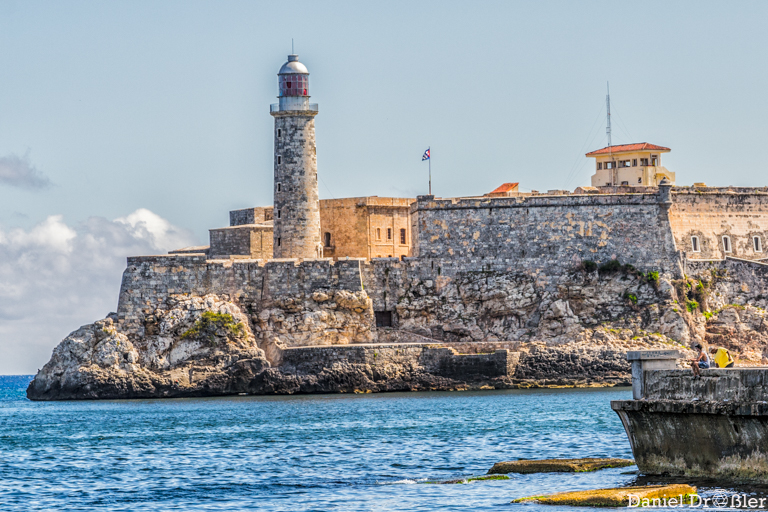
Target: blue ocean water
x=289, y=453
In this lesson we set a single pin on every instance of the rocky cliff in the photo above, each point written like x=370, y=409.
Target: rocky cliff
x=517, y=331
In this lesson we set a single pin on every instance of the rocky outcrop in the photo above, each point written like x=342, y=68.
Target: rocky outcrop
x=492, y=305
x=171, y=359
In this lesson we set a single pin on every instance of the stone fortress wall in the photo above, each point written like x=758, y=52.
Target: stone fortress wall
x=546, y=234
x=708, y=213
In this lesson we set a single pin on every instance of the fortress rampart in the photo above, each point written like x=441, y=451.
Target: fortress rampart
x=710, y=214
x=546, y=234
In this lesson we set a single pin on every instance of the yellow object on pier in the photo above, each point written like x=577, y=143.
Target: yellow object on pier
x=723, y=358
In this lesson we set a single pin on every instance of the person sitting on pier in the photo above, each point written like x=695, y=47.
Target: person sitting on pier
x=701, y=361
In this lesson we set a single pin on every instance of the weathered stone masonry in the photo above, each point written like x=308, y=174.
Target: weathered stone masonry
x=545, y=234
x=296, y=208
x=710, y=214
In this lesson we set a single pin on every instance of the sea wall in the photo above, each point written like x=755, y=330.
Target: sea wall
x=730, y=384
x=432, y=359
x=713, y=427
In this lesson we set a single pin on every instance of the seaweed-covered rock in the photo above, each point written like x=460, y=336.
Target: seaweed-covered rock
x=558, y=465
x=651, y=495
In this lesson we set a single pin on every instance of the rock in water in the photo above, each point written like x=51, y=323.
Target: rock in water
x=651, y=495
x=557, y=465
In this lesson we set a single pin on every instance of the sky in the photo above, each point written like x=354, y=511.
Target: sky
x=133, y=127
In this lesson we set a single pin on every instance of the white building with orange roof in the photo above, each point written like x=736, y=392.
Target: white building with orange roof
x=630, y=164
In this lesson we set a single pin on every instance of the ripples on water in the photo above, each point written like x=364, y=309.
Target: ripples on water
x=324, y=452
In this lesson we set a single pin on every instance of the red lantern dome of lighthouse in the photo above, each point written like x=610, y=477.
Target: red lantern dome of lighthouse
x=293, y=78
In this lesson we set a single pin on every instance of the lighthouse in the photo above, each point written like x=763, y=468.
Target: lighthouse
x=296, y=212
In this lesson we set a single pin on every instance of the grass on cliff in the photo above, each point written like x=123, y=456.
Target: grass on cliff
x=211, y=323
x=692, y=294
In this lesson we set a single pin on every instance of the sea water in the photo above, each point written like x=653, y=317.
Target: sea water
x=371, y=452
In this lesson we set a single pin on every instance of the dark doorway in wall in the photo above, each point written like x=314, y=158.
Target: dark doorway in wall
x=383, y=318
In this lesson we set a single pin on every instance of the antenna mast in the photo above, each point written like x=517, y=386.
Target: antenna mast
x=608, y=105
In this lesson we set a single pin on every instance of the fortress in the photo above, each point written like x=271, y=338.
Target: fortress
x=402, y=293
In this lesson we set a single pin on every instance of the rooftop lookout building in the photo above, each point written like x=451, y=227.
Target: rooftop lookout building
x=637, y=165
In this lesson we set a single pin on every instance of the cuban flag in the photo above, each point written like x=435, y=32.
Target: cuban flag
x=425, y=156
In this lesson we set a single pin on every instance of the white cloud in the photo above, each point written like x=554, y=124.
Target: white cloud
x=55, y=278
x=18, y=171
x=148, y=226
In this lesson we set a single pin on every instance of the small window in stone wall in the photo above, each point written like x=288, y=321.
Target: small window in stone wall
x=279, y=187
x=327, y=239
x=727, y=244
x=378, y=233
x=383, y=318
x=402, y=237
x=279, y=133
x=278, y=214
x=695, y=244
x=278, y=242
x=279, y=160
x=389, y=233
x=757, y=244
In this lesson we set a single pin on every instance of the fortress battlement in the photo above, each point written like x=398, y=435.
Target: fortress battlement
x=533, y=201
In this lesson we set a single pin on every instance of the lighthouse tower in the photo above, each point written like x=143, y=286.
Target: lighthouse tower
x=297, y=208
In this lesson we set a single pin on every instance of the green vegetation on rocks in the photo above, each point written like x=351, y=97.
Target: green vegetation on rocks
x=212, y=324
x=651, y=495
x=468, y=480
x=610, y=266
x=558, y=465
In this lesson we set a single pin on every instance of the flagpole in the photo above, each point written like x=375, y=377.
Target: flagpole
x=430, y=170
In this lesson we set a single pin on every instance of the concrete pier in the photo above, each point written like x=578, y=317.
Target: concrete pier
x=712, y=427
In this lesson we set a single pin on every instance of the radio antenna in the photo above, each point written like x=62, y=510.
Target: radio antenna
x=608, y=106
